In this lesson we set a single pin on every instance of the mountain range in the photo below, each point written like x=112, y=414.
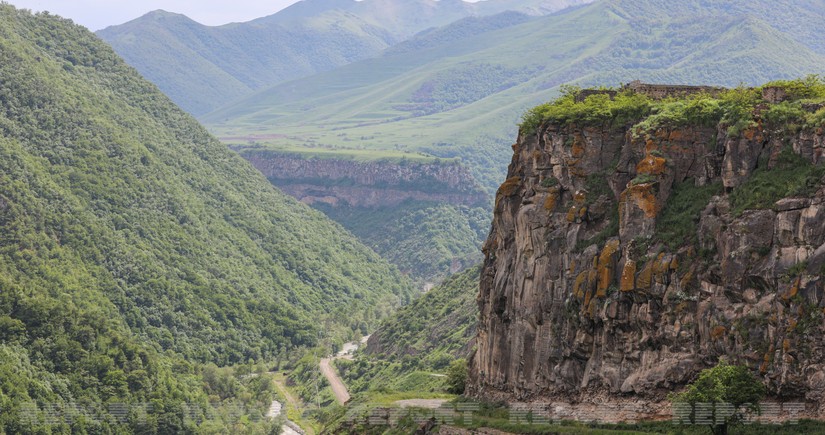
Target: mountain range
x=458, y=91
x=202, y=68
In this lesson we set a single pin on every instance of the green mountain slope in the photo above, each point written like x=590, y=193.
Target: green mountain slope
x=421, y=338
x=427, y=240
x=134, y=246
x=202, y=67
x=463, y=97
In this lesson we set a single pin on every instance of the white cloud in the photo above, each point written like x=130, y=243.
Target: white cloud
x=97, y=14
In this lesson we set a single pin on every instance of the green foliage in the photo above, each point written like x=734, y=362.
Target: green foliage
x=738, y=105
x=725, y=384
x=792, y=175
x=696, y=110
x=597, y=109
x=134, y=246
x=457, y=376
x=549, y=182
x=423, y=337
x=466, y=84
x=423, y=239
x=811, y=87
x=643, y=179
x=677, y=224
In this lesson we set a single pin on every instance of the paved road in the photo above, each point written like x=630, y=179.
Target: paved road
x=338, y=387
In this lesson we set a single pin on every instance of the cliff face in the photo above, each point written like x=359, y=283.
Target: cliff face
x=367, y=184
x=590, y=286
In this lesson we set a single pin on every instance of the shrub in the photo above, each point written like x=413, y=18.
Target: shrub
x=457, y=376
x=724, y=384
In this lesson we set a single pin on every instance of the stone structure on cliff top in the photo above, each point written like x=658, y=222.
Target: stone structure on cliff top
x=571, y=309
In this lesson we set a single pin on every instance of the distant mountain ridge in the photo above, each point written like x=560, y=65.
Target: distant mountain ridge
x=452, y=85
x=202, y=67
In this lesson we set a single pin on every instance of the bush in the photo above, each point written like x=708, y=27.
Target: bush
x=724, y=384
x=457, y=376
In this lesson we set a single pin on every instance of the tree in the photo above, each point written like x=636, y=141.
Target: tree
x=457, y=376
x=722, y=396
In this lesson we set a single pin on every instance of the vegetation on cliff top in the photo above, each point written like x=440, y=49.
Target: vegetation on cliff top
x=134, y=246
x=734, y=108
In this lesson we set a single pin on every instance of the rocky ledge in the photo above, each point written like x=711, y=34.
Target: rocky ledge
x=621, y=263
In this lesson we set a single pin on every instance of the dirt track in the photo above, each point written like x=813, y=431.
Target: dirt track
x=338, y=387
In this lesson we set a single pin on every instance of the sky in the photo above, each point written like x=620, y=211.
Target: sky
x=98, y=14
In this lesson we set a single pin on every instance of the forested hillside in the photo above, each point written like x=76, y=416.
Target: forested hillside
x=134, y=247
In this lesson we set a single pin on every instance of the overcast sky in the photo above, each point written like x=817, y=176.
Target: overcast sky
x=97, y=14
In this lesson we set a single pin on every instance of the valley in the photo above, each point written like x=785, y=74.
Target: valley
x=391, y=217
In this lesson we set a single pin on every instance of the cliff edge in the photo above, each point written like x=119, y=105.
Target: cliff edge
x=637, y=240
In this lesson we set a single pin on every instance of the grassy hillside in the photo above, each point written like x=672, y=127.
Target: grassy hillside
x=202, y=67
x=452, y=95
x=418, y=341
x=134, y=247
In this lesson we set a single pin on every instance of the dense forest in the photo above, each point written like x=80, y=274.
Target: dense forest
x=137, y=253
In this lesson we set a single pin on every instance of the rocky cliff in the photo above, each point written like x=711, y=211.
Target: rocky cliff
x=367, y=184
x=623, y=260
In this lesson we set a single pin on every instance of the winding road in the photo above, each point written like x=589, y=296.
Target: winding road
x=339, y=390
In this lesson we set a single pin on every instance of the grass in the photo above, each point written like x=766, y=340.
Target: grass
x=677, y=225
x=791, y=176
x=361, y=155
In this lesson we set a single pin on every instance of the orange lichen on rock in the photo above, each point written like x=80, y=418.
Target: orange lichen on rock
x=571, y=214
x=578, y=285
x=718, y=332
x=510, y=186
x=643, y=196
x=605, y=268
x=651, y=165
x=645, y=276
x=793, y=291
x=628, y=276
x=684, y=282
x=676, y=135
x=791, y=325
x=572, y=266
x=577, y=150
x=551, y=200
x=786, y=345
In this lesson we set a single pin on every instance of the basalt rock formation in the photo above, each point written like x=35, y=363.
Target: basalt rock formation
x=339, y=182
x=599, y=280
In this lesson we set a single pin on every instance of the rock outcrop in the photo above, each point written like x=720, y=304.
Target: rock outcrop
x=377, y=183
x=582, y=296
